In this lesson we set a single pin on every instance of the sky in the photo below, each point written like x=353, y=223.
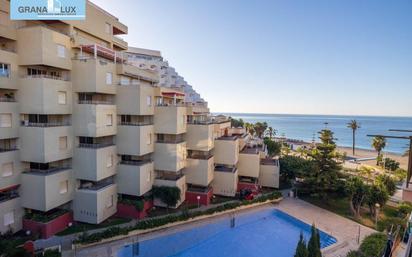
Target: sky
x=347, y=57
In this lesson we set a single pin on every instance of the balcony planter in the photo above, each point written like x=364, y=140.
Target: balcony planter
x=129, y=210
x=47, y=226
x=205, y=197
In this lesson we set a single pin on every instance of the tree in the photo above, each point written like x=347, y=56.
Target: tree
x=366, y=171
x=302, y=151
x=314, y=243
x=301, y=250
x=354, y=125
x=272, y=147
x=236, y=123
x=324, y=177
x=260, y=128
x=357, y=191
x=270, y=132
x=388, y=182
x=248, y=126
x=292, y=166
x=168, y=195
x=379, y=143
x=377, y=194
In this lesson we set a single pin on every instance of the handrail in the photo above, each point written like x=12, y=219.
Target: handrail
x=7, y=99
x=95, y=146
x=95, y=102
x=45, y=125
x=135, y=123
x=45, y=76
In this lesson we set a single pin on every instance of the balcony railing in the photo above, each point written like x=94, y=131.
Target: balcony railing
x=145, y=123
x=171, y=141
x=8, y=149
x=95, y=187
x=45, y=125
x=135, y=162
x=95, y=145
x=225, y=169
x=45, y=76
x=172, y=177
x=200, y=122
x=47, y=171
x=8, y=196
x=7, y=99
x=95, y=102
x=200, y=156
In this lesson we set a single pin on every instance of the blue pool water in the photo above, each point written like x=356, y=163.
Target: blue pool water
x=266, y=233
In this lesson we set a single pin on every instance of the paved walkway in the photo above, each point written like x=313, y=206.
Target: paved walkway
x=344, y=230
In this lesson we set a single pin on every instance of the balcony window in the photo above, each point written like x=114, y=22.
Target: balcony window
x=109, y=78
x=95, y=142
x=62, y=97
x=5, y=120
x=8, y=218
x=63, y=143
x=61, y=51
x=7, y=169
x=64, y=187
x=4, y=70
x=44, y=120
x=109, y=120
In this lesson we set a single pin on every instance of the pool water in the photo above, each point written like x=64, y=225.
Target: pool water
x=268, y=233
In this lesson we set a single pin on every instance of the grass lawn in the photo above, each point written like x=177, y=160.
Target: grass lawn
x=80, y=227
x=340, y=205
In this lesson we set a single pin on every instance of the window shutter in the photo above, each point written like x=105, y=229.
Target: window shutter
x=61, y=97
x=8, y=218
x=7, y=169
x=5, y=120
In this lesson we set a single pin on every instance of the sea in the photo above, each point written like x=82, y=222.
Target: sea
x=306, y=128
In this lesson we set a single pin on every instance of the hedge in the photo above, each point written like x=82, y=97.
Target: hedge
x=86, y=238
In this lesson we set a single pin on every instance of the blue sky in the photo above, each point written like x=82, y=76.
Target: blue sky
x=349, y=57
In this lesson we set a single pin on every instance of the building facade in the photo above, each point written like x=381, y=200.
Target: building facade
x=85, y=121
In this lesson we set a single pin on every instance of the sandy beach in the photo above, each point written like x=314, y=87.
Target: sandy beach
x=362, y=153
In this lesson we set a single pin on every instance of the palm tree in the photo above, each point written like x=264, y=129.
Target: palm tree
x=270, y=132
x=379, y=142
x=354, y=125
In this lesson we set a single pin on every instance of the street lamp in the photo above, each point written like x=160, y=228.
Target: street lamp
x=377, y=206
x=198, y=201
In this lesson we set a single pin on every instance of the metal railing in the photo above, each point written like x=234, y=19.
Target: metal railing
x=45, y=125
x=7, y=99
x=4, y=74
x=135, y=162
x=45, y=76
x=95, y=145
x=146, y=123
x=96, y=102
x=8, y=149
x=47, y=171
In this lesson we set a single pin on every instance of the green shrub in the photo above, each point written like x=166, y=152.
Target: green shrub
x=354, y=254
x=373, y=245
x=168, y=195
x=405, y=209
x=86, y=238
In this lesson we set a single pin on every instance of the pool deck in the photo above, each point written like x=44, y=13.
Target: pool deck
x=344, y=230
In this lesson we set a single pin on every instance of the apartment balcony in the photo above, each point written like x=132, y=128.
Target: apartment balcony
x=227, y=150
x=249, y=162
x=94, y=162
x=120, y=43
x=11, y=214
x=8, y=32
x=10, y=109
x=170, y=119
x=45, y=47
x=243, y=139
x=135, y=177
x=94, y=119
x=45, y=95
x=170, y=156
x=8, y=78
x=199, y=136
x=96, y=203
x=135, y=138
x=46, y=142
x=200, y=171
x=94, y=75
x=138, y=73
x=169, y=180
x=225, y=181
x=197, y=108
x=44, y=190
x=135, y=99
x=11, y=170
x=269, y=173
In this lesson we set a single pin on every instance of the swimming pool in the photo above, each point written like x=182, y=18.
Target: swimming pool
x=266, y=233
